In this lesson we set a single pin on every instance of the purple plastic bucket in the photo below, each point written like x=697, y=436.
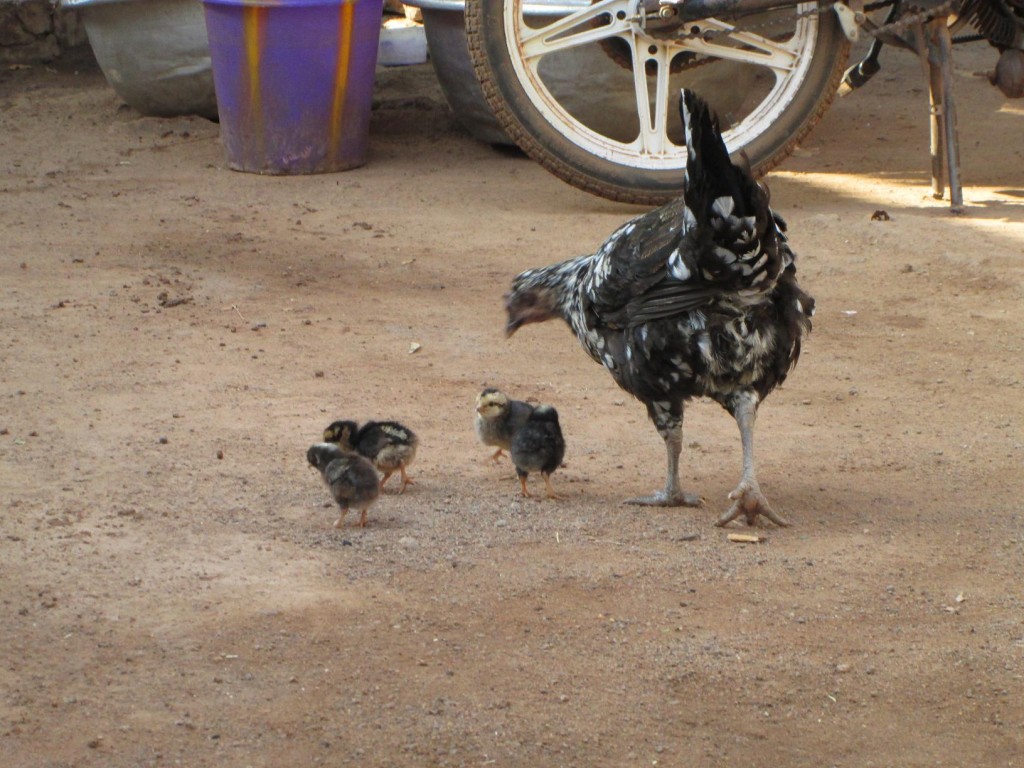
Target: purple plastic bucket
x=294, y=81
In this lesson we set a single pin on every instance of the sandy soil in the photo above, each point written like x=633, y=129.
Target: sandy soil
x=176, y=334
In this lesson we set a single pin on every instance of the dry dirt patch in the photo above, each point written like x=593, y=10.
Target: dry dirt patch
x=176, y=334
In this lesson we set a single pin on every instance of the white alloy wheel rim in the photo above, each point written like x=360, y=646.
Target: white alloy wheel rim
x=789, y=61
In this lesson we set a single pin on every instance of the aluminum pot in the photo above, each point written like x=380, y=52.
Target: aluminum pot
x=153, y=53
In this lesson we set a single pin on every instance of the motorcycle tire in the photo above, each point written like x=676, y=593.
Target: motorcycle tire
x=534, y=108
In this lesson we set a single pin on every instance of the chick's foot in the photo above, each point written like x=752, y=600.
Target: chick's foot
x=749, y=502
x=551, y=491
x=662, y=499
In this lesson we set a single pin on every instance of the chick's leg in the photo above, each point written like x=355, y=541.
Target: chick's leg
x=522, y=484
x=669, y=421
x=496, y=456
x=385, y=478
x=406, y=480
x=747, y=498
x=340, y=522
x=551, y=491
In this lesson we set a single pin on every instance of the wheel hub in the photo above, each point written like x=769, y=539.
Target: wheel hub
x=651, y=32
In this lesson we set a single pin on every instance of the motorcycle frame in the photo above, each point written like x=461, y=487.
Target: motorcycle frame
x=930, y=38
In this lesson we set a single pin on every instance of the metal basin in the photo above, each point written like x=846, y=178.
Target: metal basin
x=154, y=53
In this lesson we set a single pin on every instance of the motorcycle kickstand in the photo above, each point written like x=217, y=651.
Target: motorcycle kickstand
x=934, y=45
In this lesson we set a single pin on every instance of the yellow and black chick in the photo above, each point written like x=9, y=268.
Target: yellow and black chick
x=498, y=418
x=351, y=478
x=538, y=446
x=390, y=446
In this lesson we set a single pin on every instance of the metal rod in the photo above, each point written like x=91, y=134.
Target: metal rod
x=692, y=10
x=938, y=118
x=944, y=44
x=935, y=46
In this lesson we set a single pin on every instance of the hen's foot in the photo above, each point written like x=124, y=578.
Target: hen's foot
x=662, y=499
x=749, y=502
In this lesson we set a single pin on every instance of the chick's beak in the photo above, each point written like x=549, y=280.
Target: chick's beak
x=512, y=326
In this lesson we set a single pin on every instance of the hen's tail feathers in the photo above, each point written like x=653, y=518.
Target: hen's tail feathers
x=710, y=172
x=728, y=205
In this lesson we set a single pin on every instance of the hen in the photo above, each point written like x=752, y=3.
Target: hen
x=538, y=446
x=498, y=418
x=389, y=445
x=351, y=478
x=696, y=298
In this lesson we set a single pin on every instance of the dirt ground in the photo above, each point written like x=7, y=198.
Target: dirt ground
x=176, y=334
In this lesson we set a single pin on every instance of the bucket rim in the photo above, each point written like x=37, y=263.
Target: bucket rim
x=87, y=3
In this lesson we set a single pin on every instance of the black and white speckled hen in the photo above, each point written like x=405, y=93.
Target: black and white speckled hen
x=696, y=298
x=538, y=446
x=389, y=445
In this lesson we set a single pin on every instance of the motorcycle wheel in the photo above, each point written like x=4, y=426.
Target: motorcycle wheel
x=562, y=81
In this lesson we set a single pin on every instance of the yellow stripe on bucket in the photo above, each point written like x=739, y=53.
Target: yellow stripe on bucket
x=346, y=17
x=254, y=21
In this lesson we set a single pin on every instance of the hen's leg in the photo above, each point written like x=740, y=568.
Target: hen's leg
x=669, y=422
x=747, y=497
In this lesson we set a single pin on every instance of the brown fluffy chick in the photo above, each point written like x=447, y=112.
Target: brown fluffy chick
x=390, y=446
x=498, y=418
x=538, y=446
x=351, y=478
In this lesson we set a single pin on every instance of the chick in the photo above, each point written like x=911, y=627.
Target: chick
x=538, y=446
x=389, y=445
x=498, y=418
x=351, y=478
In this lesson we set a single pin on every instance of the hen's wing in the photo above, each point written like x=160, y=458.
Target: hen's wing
x=720, y=238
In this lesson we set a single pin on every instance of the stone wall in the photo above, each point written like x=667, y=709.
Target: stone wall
x=34, y=31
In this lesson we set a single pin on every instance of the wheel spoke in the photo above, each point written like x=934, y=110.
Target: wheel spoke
x=653, y=138
x=576, y=28
x=757, y=49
